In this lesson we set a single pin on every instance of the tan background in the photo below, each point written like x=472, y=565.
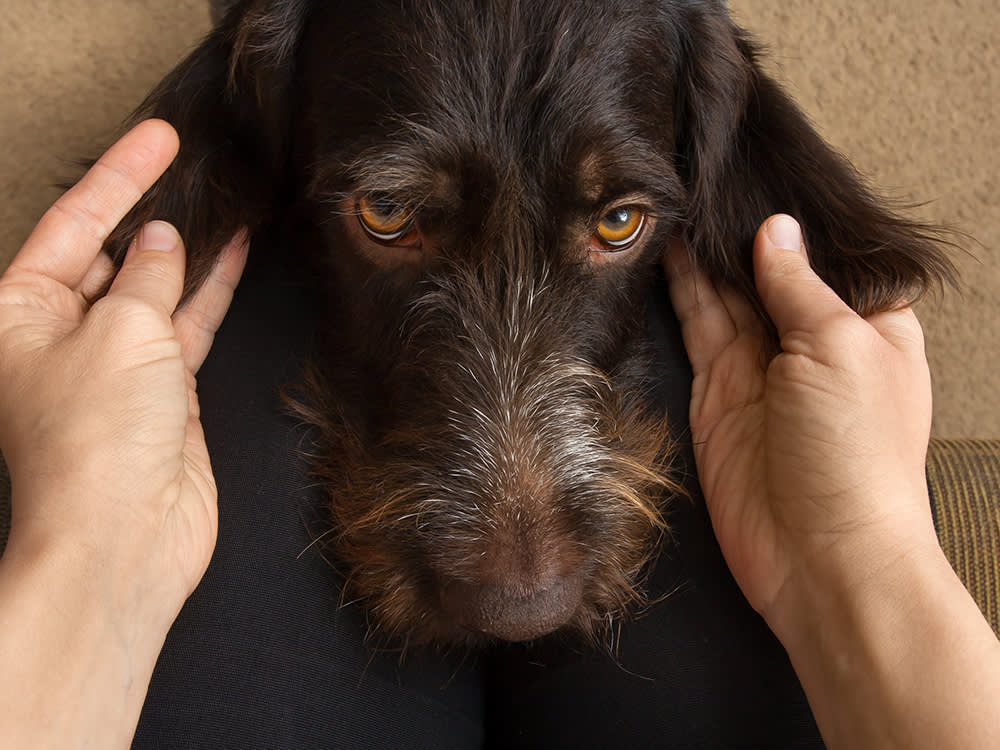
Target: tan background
x=907, y=91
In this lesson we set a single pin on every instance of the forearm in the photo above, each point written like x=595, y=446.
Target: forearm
x=75, y=667
x=901, y=657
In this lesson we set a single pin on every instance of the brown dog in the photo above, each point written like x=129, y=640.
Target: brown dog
x=487, y=188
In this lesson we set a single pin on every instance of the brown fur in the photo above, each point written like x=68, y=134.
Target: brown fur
x=496, y=464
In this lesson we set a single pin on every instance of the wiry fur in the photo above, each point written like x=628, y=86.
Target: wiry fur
x=494, y=463
x=505, y=440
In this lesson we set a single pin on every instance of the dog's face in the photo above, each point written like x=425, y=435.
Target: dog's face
x=491, y=210
x=489, y=186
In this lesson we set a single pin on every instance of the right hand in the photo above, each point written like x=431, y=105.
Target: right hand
x=814, y=467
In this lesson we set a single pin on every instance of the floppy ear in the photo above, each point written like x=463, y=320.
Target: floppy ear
x=228, y=103
x=746, y=151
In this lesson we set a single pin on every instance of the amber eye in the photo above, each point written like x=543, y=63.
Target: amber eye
x=620, y=227
x=383, y=218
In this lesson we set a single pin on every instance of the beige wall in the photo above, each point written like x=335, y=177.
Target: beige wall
x=910, y=91
x=910, y=96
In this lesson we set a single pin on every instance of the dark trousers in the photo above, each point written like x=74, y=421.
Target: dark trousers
x=265, y=655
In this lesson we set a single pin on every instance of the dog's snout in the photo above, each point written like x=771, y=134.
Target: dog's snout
x=514, y=462
x=517, y=487
x=514, y=613
x=526, y=584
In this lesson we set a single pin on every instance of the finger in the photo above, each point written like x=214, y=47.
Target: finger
x=69, y=236
x=795, y=298
x=199, y=319
x=710, y=319
x=95, y=280
x=153, y=270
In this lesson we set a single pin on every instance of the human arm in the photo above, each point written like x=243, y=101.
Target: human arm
x=113, y=500
x=813, y=472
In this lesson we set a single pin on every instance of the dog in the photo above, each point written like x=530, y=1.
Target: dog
x=487, y=187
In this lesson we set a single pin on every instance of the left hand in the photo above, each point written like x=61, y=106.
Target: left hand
x=98, y=411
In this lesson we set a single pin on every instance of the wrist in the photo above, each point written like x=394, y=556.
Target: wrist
x=848, y=588
x=114, y=537
x=866, y=638
x=77, y=665
x=104, y=573
x=875, y=539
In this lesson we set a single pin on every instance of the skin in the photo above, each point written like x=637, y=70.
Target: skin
x=812, y=470
x=114, y=503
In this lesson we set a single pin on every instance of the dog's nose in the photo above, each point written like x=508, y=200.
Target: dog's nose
x=514, y=613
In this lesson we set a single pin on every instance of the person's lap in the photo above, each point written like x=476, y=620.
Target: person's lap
x=265, y=653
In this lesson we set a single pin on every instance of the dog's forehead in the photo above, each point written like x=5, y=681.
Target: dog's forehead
x=546, y=85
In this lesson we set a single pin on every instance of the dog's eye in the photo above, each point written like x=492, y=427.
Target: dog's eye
x=620, y=227
x=384, y=219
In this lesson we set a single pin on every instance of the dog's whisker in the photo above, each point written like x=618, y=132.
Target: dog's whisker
x=318, y=540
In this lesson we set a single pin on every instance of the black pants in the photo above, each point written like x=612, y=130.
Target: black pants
x=264, y=654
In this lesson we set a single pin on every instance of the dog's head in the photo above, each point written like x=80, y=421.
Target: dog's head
x=490, y=186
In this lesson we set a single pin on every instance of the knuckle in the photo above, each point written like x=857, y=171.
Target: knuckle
x=125, y=311
x=84, y=218
x=98, y=200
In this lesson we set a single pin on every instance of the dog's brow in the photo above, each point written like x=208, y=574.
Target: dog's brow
x=590, y=178
x=400, y=169
x=610, y=174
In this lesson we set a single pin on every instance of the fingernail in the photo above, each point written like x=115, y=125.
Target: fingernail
x=785, y=232
x=158, y=235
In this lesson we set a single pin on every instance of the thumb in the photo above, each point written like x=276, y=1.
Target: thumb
x=793, y=295
x=153, y=270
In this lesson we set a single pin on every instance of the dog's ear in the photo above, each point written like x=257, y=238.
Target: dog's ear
x=745, y=151
x=228, y=103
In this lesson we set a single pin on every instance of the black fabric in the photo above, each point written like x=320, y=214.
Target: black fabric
x=264, y=655
x=699, y=670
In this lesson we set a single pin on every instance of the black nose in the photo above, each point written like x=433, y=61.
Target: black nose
x=514, y=613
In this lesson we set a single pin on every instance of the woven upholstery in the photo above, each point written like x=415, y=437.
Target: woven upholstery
x=963, y=477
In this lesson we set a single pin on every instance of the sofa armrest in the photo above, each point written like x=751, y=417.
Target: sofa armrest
x=963, y=477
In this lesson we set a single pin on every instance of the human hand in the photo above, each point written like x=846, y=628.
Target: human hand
x=814, y=467
x=98, y=411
